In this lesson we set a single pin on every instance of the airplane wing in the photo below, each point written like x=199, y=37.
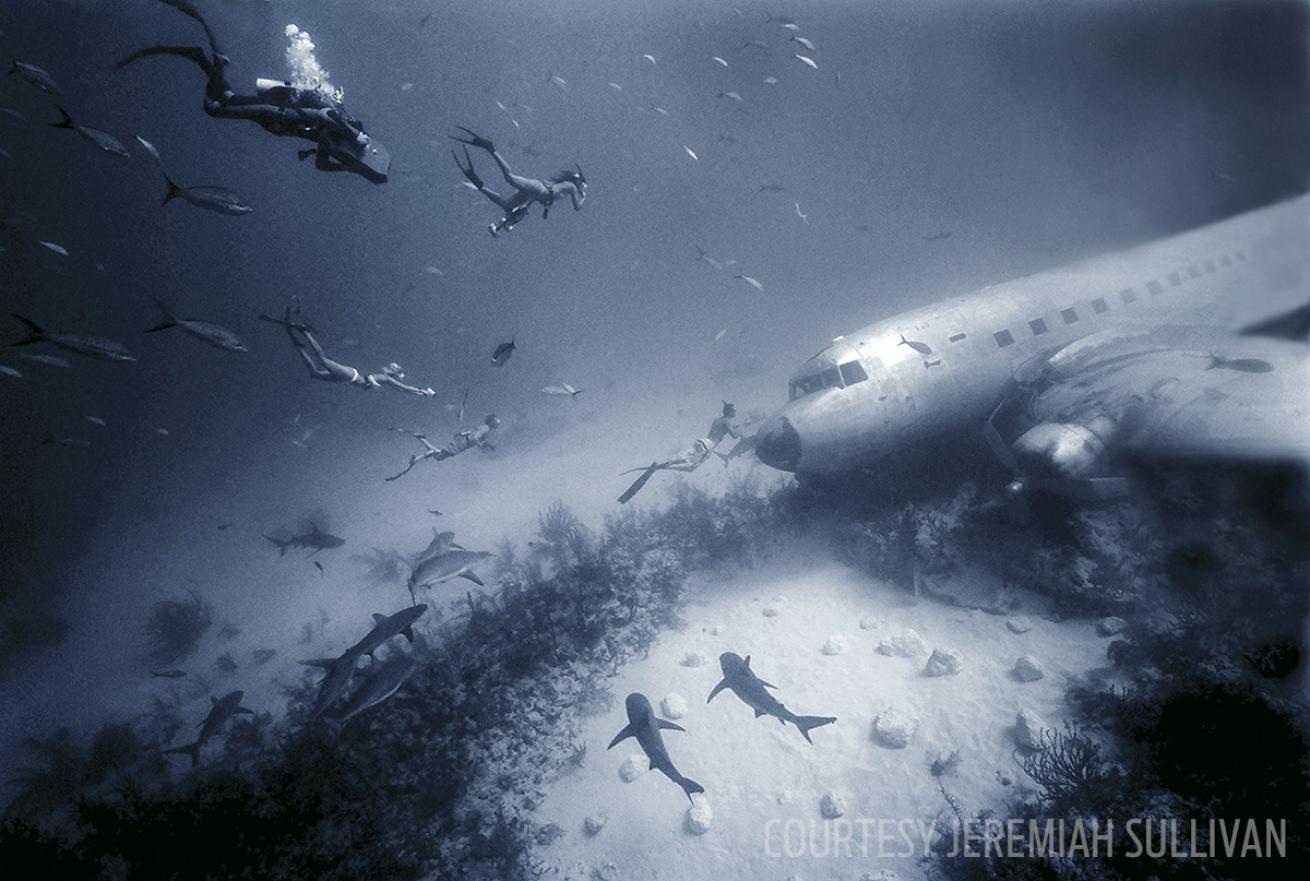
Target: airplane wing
x=1171, y=391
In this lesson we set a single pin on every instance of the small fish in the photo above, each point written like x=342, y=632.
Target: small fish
x=80, y=344
x=36, y=76
x=755, y=44
x=1242, y=365
x=215, y=335
x=921, y=348
x=168, y=674
x=808, y=62
x=77, y=442
x=102, y=141
x=720, y=61
x=616, y=87
x=772, y=188
x=660, y=110
x=792, y=26
x=720, y=335
x=650, y=58
x=225, y=526
x=54, y=247
x=702, y=256
x=733, y=95
x=808, y=44
x=432, y=270
x=561, y=390
x=501, y=107
x=498, y=358
x=434, y=512
x=753, y=282
x=162, y=432
x=770, y=80
x=405, y=87
x=10, y=371
x=42, y=358
x=800, y=214
x=16, y=114
x=95, y=420
x=691, y=152
x=938, y=236
x=560, y=81
x=321, y=570
x=219, y=200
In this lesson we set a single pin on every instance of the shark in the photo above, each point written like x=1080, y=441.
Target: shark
x=379, y=686
x=315, y=538
x=742, y=681
x=221, y=709
x=645, y=726
x=445, y=566
x=341, y=670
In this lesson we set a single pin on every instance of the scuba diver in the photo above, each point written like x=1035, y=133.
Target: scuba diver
x=282, y=109
x=322, y=367
x=469, y=437
x=526, y=190
x=693, y=458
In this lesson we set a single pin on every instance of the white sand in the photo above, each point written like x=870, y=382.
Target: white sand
x=755, y=770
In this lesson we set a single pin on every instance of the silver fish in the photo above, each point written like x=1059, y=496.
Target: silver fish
x=80, y=344
x=217, y=336
x=100, y=140
x=36, y=76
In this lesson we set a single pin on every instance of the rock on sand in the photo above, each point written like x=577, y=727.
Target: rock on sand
x=906, y=644
x=943, y=662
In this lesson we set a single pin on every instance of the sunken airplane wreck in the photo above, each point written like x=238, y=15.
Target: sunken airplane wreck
x=1169, y=348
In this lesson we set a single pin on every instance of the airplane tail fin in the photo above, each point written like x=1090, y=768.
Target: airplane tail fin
x=35, y=332
x=805, y=723
x=190, y=749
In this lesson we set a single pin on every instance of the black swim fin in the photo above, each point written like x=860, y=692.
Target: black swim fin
x=638, y=484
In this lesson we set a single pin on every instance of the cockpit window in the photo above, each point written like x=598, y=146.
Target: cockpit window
x=806, y=385
x=853, y=372
x=830, y=378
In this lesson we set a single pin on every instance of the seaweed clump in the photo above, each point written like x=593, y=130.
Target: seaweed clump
x=175, y=628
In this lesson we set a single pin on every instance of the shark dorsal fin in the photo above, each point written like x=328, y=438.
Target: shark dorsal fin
x=747, y=662
x=378, y=617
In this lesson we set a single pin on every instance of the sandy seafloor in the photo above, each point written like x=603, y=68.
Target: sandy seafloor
x=756, y=771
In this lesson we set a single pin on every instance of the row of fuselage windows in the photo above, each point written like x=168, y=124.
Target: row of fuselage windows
x=853, y=372
x=1127, y=297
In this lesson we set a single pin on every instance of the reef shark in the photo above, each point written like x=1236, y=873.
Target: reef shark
x=379, y=686
x=341, y=669
x=445, y=566
x=221, y=709
x=644, y=725
x=742, y=681
x=315, y=538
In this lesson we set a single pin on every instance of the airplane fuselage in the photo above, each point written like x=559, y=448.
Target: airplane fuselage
x=944, y=367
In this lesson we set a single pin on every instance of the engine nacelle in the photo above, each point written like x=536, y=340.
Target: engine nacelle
x=1062, y=450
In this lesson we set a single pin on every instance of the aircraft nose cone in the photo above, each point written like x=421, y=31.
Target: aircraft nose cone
x=778, y=445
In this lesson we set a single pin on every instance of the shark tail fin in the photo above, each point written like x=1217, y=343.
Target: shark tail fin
x=35, y=332
x=171, y=193
x=190, y=749
x=805, y=723
x=689, y=786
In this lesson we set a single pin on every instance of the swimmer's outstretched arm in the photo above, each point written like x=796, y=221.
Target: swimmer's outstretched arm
x=383, y=379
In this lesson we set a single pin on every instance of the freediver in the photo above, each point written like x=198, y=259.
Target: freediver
x=526, y=190
x=341, y=144
x=322, y=367
x=463, y=440
x=693, y=458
